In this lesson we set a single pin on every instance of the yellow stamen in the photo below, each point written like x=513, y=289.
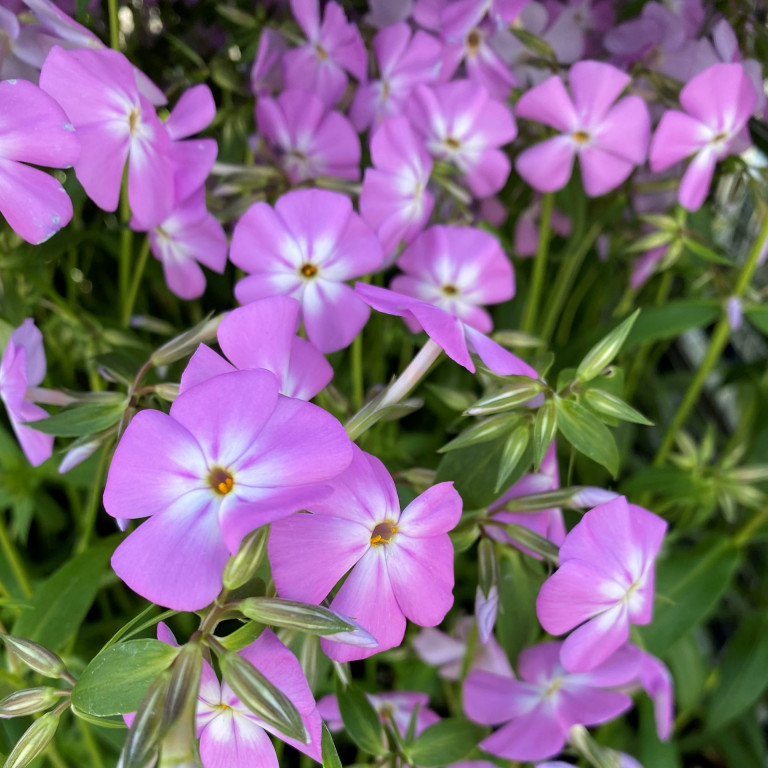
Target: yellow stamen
x=221, y=481
x=449, y=290
x=308, y=270
x=383, y=533
x=580, y=137
x=452, y=143
x=321, y=52
x=473, y=42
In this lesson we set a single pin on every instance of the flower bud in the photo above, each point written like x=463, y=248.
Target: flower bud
x=184, y=682
x=34, y=741
x=605, y=350
x=533, y=541
x=148, y=726
x=260, y=696
x=486, y=608
x=37, y=657
x=241, y=567
x=589, y=496
x=29, y=701
x=167, y=390
x=186, y=343
x=522, y=390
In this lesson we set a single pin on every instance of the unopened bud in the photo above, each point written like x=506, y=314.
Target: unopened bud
x=148, y=726
x=419, y=478
x=34, y=741
x=241, y=567
x=533, y=541
x=486, y=609
x=487, y=596
x=603, y=353
x=187, y=342
x=77, y=454
x=184, y=682
x=29, y=701
x=167, y=390
x=589, y=496
x=261, y=696
x=37, y=657
x=522, y=390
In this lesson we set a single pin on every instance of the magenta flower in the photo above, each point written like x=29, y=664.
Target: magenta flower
x=98, y=91
x=457, y=269
x=455, y=337
x=309, y=139
x=402, y=562
x=267, y=72
x=34, y=129
x=609, y=138
x=394, y=199
x=307, y=247
x=545, y=702
x=462, y=125
x=406, y=59
x=604, y=582
x=190, y=236
x=232, y=455
x=262, y=334
x=230, y=734
x=718, y=102
x=333, y=46
x=654, y=678
x=23, y=366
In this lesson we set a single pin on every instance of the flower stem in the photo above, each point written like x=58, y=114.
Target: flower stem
x=539, y=267
x=717, y=344
x=358, y=387
x=114, y=25
x=89, y=518
x=126, y=244
x=135, y=282
x=12, y=558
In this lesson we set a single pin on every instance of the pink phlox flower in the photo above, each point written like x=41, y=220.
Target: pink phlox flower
x=448, y=652
x=309, y=139
x=405, y=59
x=333, y=46
x=459, y=17
x=231, y=456
x=609, y=138
x=548, y=522
x=428, y=13
x=455, y=337
x=34, y=129
x=262, y=334
x=98, y=91
x=23, y=366
x=393, y=708
x=20, y=56
x=230, y=734
x=190, y=236
x=463, y=125
x=645, y=265
x=306, y=247
x=593, y=18
x=542, y=705
x=382, y=13
x=718, y=102
x=395, y=200
x=655, y=679
x=401, y=562
x=527, y=228
x=690, y=12
x=267, y=71
x=459, y=269
x=604, y=583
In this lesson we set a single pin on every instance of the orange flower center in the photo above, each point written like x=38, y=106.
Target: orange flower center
x=383, y=533
x=221, y=481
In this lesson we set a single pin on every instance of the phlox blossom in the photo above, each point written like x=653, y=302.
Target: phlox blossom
x=718, y=102
x=401, y=562
x=609, y=138
x=306, y=247
x=231, y=456
x=604, y=582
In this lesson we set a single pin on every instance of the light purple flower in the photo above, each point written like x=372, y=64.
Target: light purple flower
x=231, y=456
x=448, y=652
x=655, y=679
x=333, y=46
x=455, y=337
x=463, y=125
x=267, y=72
x=458, y=269
x=394, y=199
x=406, y=59
x=262, y=334
x=33, y=129
x=382, y=13
x=307, y=247
x=98, y=91
x=645, y=265
x=402, y=562
x=604, y=582
x=718, y=102
x=23, y=366
x=609, y=138
x=309, y=139
x=545, y=702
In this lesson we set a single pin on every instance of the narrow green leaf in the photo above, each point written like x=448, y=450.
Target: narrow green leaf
x=360, y=719
x=115, y=682
x=329, y=754
x=445, y=742
x=482, y=432
x=757, y=314
x=609, y=405
x=672, y=319
x=514, y=451
x=544, y=430
x=80, y=420
x=603, y=353
x=703, y=252
x=587, y=434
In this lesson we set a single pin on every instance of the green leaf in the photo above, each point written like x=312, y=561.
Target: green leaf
x=603, y=353
x=329, y=754
x=672, y=319
x=61, y=603
x=743, y=671
x=514, y=450
x=703, y=252
x=544, y=431
x=609, y=405
x=587, y=434
x=115, y=682
x=757, y=314
x=445, y=742
x=80, y=420
x=482, y=432
x=688, y=587
x=360, y=719
x=654, y=752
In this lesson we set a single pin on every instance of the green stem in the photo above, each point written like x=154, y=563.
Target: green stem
x=114, y=25
x=539, y=266
x=566, y=275
x=358, y=387
x=12, y=558
x=90, y=743
x=717, y=344
x=89, y=518
x=126, y=244
x=135, y=282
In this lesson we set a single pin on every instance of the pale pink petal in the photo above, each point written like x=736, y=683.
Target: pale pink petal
x=547, y=166
x=435, y=511
x=534, y=736
x=677, y=136
x=100, y=168
x=203, y=365
x=590, y=706
x=721, y=96
x=308, y=371
x=491, y=699
x=549, y=103
x=593, y=642
x=193, y=112
x=496, y=358
x=697, y=180
x=595, y=86
x=333, y=314
x=232, y=739
x=602, y=171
